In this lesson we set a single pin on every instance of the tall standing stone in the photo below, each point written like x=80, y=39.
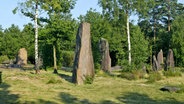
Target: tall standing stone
x=160, y=59
x=22, y=57
x=155, y=64
x=83, y=63
x=170, y=60
x=105, y=57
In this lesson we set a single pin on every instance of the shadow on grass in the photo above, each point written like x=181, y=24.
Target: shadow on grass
x=66, y=77
x=70, y=99
x=136, y=98
x=67, y=98
x=40, y=101
x=130, y=98
x=5, y=95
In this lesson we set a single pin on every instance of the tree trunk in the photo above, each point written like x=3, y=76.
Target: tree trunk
x=55, y=60
x=154, y=31
x=169, y=17
x=36, y=39
x=169, y=25
x=129, y=44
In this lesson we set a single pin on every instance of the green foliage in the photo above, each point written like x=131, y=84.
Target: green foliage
x=101, y=27
x=3, y=58
x=139, y=49
x=61, y=33
x=181, y=88
x=88, y=79
x=132, y=75
x=68, y=58
x=46, y=50
x=172, y=73
x=53, y=80
x=154, y=76
x=177, y=42
x=10, y=41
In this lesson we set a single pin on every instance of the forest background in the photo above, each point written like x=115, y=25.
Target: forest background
x=159, y=26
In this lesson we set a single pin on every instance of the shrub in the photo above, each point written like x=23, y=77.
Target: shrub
x=181, y=88
x=54, y=81
x=97, y=67
x=154, y=76
x=132, y=75
x=3, y=58
x=172, y=73
x=88, y=79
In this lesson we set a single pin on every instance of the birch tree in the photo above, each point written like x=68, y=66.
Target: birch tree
x=30, y=9
x=115, y=9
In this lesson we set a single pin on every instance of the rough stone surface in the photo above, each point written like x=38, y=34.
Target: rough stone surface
x=170, y=88
x=22, y=57
x=170, y=60
x=160, y=59
x=155, y=64
x=105, y=57
x=83, y=62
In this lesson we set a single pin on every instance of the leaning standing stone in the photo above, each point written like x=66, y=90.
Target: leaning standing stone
x=105, y=57
x=22, y=57
x=155, y=64
x=83, y=63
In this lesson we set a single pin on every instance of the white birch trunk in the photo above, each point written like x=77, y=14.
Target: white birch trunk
x=129, y=44
x=36, y=38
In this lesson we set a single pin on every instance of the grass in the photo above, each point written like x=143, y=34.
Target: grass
x=24, y=87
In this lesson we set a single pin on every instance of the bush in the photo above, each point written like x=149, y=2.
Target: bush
x=133, y=75
x=181, y=88
x=68, y=58
x=154, y=76
x=3, y=58
x=54, y=81
x=88, y=79
x=172, y=73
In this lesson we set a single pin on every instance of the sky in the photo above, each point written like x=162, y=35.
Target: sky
x=7, y=18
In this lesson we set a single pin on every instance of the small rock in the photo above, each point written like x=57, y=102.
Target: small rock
x=170, y=88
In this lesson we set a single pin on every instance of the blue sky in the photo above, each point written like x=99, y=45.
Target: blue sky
x=7, y=17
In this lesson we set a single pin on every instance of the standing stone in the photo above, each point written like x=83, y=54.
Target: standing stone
x=83, y=63
x=104, y=50
x=22, y=57
x=155, y=64
x=170, y=60
x=160, y=59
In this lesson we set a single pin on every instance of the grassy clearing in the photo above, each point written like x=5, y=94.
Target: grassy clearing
x=24, y=87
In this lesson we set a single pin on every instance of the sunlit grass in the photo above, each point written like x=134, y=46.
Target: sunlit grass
x=47, y=88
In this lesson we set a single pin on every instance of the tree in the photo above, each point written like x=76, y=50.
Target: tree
x=60, y=34
x=177, y=42
x=27, y=41
x=157, y=24
x=139, y=51
x=118, y=9
x=10, y=41
x=30, y=9
x=58, y=12
x=102, y=27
